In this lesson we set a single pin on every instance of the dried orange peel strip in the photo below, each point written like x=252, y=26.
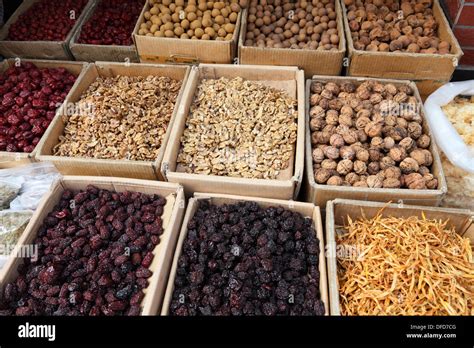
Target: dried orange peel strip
x=405, y=266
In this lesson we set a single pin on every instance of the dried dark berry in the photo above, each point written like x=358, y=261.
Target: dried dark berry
x=241, y=259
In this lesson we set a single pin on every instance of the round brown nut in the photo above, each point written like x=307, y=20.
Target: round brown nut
x=373, y=129
x=335, y=181
x=415, y=181
x=360, y=167
x=316, y=124
x=431, y=181
x=373, y=168
x=345, y=166
x=315, y=99
x=391, y=183
x=388, y=143
x=336, y=140
x=422, y=157
x=360, y=184
x=409, y=165
x=423, y=141
x=351, y=136
x=317, y=112
x=322, y=175
x=352, y=178
x=347, y=152
x=329, y=164
x=377, y=143
x=375, y=154
x=407, y=143
x=363, y=155
x=392, y=172
x=397, y=153
x=387, y=162
x=331, y=152
x=374, y=181
x=415, y=130
x=424, y=170
x=318, y=155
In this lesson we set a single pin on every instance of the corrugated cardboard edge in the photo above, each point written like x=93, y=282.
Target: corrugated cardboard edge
x=151, y=304
x=37, y=49
x=409, y=210
x=92, y=53
x=292, y=205
x=25, y=158
x=141, y=169
x=318, y=62
x=320, y=194
x=411, y=73
x=280, y=189
x=172, y=50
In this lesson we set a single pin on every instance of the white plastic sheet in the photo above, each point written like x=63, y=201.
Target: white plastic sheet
x=446, y=136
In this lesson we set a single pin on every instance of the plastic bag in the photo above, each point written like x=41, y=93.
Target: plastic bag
x=8, y=192
x=12, y=225
x=446, y=136
x=34, y=179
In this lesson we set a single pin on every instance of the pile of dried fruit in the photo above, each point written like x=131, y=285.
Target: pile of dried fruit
x=47, y=20
x=405, y=266
x=369, y=135
x=242, y=259
x=120, y=117
x=297, y=25
x=188, y=20
x=395, y=26
x=29, y=98
x=112, y=23
x=94, y=251
x=239, y=128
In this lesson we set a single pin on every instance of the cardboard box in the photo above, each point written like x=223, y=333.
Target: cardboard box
x=107, y=53
x=338, y=210
x=108, y=167
x=172, y=217
x=313, y=62
x=320, y=194
x=76, y=68
x=305, y=209
x=292, y=80
x=171, y=50
x=426, y=87
x=407, y=66
x=37, y=49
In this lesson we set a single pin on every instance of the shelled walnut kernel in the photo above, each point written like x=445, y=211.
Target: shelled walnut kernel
x=380, y=142
x=239, y=128
x=120, y=117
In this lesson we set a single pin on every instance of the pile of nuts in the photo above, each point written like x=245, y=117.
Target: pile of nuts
x=297, y=25
x=112, y=23
x=94, y=253
x=242, y=259
x=29, y=98
x=120, y=117
x=47, y=20
x=370, y=135
x=206, y=20
x=395, y=26
x=239, y=128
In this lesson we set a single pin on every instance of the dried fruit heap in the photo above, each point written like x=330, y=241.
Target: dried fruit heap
x=120, y=117
x=47, y=20
x=112, y=23
x=239, y=128
x=369, y=135
x=405, y=266
x=94, y=251
x=242, y=259
x=29, y=98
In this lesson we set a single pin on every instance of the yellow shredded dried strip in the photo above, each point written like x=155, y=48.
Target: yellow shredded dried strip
x=405, y=266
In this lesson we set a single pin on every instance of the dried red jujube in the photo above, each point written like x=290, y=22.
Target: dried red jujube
x=80, y=269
